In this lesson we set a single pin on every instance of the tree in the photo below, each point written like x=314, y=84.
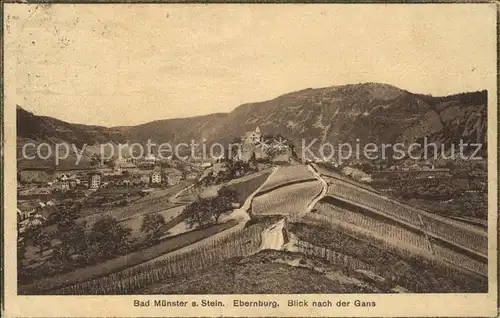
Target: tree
x=21, y=245
x=21, y=241
x=209, y=178
x=95, y=159
x=253, y=158
x=35, y=222
x=198, y=214
x=21, y=251
x=72, y=237
x=204, y=212
x=33, y=227
x=153, y=226
x=227, y=197
x=107, y=238
x=207, y=211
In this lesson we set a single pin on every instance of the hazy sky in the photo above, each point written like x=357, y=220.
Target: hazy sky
x=128, y=64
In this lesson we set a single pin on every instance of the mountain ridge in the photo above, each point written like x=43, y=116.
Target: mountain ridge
x=370, y=112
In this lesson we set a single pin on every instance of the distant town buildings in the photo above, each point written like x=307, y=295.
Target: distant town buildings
x=156, y=176
x=173, y=175
x=95, y=181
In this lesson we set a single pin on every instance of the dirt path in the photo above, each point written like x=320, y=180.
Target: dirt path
x=323, y=191
x=174, y=197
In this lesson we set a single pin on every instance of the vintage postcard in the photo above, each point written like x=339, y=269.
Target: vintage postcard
x=250, y=160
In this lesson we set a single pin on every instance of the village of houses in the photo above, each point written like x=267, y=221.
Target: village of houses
x=39, y=189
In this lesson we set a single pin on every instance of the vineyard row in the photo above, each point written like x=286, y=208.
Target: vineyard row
x=331, y=256
x=460, y=236
x=289, y=174
x=289, y=200
x=406, y=243
x=393, y=234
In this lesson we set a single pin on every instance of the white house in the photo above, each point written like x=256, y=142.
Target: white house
x=95, y=181
x=156, y=177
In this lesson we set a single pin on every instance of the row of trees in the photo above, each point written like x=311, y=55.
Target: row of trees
x=153, y=227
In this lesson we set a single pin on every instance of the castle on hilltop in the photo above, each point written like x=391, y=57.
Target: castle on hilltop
x=252, y=137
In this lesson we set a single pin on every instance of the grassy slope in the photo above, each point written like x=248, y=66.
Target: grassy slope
x=247, y=187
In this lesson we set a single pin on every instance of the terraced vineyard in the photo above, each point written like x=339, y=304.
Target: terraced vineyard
x=394, y=235
x=462, y=260
x=290, y=200
x=371, y=201
x=286, y=175
x=422, y=272
x=474, y=240
x=450, y=231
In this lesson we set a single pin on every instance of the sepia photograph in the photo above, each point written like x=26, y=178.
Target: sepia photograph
x=223, y=149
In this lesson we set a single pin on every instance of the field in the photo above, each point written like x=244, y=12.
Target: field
x=457, y=258
x=288, y=200
x=409, y=271
x=392, y=237
x=123, y=262
x=287, y=175
x=371, y=201
x=243, y=186
x=168, y=192
x=155, y=202
x=248, y=186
